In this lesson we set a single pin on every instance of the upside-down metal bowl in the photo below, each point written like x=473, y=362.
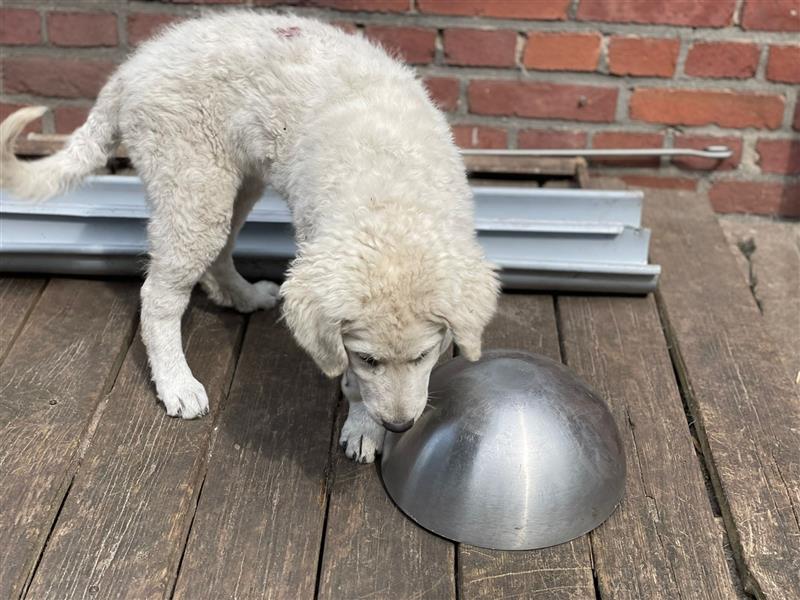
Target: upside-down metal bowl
x=513, y=452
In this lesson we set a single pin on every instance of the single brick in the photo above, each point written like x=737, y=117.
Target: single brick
x=771, y=15
x=443, y=91
x=722, y=59
x=413, y=44
x=57, y=77
x=779, y=156
x=643, y=57
x=69, y=118
x=762, y=198
x=480, y=47
x=32, y=127
x=706, y=107
x=143, y=26
x=562, y=51
x=551, y=138
x=543, y=100
x=477, y=136
x=665, y=183
x=695, y=13
x=549, y=10
x=784, y=64
x=700, y=142
x=82, y=29
x=19, y=27
x=625, y=139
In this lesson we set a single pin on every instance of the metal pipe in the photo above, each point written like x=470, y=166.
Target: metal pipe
x=50, y=143
x=716, y=152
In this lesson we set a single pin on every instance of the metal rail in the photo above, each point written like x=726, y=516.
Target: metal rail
x=715, y=152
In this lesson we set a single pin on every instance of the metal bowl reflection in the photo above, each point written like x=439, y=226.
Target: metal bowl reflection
x=513, y=452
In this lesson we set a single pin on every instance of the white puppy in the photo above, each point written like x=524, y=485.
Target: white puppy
x=388, y=266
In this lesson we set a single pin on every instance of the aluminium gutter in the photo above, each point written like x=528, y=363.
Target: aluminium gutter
x=558, y=239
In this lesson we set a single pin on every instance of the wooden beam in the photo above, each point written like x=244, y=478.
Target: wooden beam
x=663, y=540
x=123, y=526
x=745, y=406
x=38, y=144
x=260, y=518
x=52, y=382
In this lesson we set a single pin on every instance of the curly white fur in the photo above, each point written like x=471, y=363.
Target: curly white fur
x=212, y=109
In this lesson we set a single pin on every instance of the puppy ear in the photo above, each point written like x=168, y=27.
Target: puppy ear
x=447, y=339
x=310, y=314
x=473, y=304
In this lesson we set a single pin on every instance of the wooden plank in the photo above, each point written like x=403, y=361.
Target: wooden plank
x=124, y=524
x=521, y=165
x=526, y=322
x=18, y=296
x=43, y=144
x=768, y=254
x=371, y=549
x=663, y=540
x=259, y=521
x=740, y=394
x=50, y=387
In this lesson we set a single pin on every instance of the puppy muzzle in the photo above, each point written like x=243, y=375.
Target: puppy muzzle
x=398, y=427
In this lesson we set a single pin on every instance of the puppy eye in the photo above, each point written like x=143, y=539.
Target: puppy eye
x=421, y=357
x=371, y=361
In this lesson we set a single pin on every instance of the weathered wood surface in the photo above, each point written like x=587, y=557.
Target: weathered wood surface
x=43, y=144
x=522, y=165
x=768, y=254
x=18, y=295
x=739, y=392
x=50, y=386
x=565, y=571
x=372, y=550
x=259, y=521
x=123, y=526
x=663, y=540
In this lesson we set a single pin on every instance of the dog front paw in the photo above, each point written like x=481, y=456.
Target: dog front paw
x=361, y=438
x=185, y=398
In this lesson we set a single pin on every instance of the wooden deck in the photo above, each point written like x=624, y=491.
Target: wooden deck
x=103, y=496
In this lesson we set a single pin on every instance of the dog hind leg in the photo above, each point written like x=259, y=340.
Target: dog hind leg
x=222, y=282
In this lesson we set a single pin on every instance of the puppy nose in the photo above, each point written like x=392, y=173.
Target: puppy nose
x=398, y=427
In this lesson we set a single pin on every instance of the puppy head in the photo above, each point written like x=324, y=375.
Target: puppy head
x=387, y=311
x=392, y=368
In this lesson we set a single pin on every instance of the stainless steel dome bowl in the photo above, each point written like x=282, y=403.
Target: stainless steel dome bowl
x=513, y=452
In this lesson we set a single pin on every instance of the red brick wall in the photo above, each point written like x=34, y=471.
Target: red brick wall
x=510, y=73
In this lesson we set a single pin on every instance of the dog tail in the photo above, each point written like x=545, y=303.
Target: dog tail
x=87, y=149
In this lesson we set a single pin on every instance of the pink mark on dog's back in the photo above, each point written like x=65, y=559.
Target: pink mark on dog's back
x=287, y=32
